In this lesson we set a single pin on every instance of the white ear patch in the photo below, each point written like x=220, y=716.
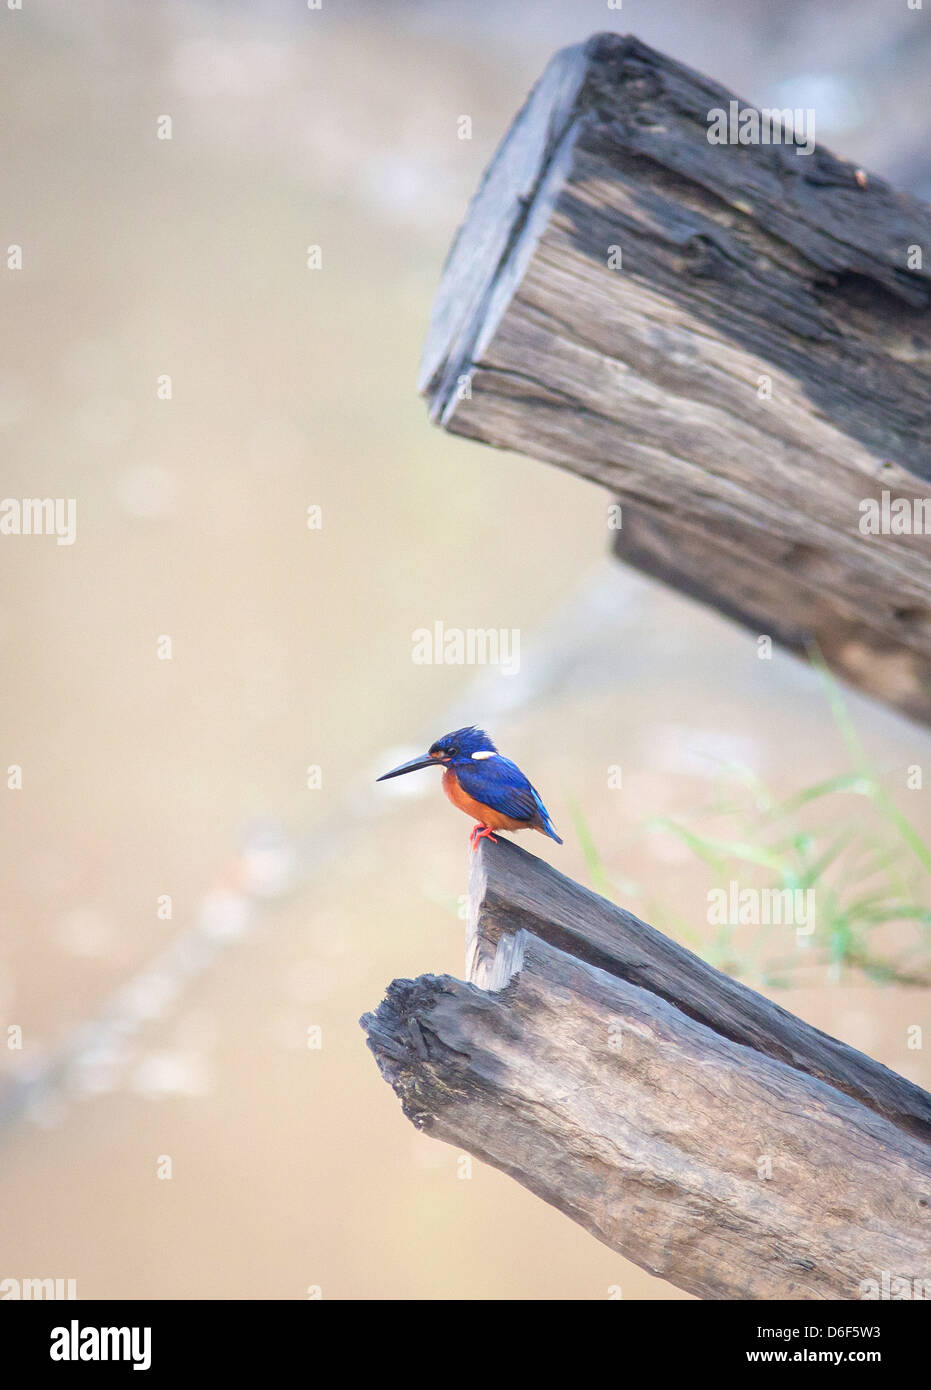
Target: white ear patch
x=484, y=754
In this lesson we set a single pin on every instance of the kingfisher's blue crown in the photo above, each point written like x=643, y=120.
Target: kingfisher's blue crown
x=462, y=743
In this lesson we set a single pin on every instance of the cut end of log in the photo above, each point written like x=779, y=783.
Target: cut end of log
x=396, y=1039
x=491, y=962
x=495, y=225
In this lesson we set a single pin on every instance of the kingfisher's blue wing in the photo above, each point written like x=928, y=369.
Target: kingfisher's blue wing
x=500, y=784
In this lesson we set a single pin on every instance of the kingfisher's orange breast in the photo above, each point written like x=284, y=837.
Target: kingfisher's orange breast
x=485, y=815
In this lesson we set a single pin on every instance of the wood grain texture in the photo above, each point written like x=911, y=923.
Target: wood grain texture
x=513, y=891
x=656, y=1133
x=739, y=263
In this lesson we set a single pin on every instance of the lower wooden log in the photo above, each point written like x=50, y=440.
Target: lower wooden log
x=722, y=1170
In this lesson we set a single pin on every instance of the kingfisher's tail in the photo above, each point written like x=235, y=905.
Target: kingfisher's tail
x=546, y=824
x=543, y=816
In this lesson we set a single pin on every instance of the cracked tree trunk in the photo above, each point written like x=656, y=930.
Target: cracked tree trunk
x=711, y=1137
x=734, y=339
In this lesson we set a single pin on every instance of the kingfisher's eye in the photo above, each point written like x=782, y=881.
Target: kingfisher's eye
x=453, y=752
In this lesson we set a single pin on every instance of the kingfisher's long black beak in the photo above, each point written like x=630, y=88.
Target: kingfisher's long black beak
x=412, y=766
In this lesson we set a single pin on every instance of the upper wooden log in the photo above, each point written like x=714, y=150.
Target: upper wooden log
x=734, y=339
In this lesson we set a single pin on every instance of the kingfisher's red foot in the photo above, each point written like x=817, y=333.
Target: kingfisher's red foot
x=481, y=832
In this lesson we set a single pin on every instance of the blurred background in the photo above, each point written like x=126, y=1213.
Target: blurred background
x=180, y=911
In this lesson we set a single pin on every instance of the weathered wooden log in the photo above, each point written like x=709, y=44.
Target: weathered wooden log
x=734, y=339
x=672, y=1113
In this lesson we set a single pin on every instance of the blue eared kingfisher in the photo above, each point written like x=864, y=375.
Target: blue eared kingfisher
x=487, y=786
